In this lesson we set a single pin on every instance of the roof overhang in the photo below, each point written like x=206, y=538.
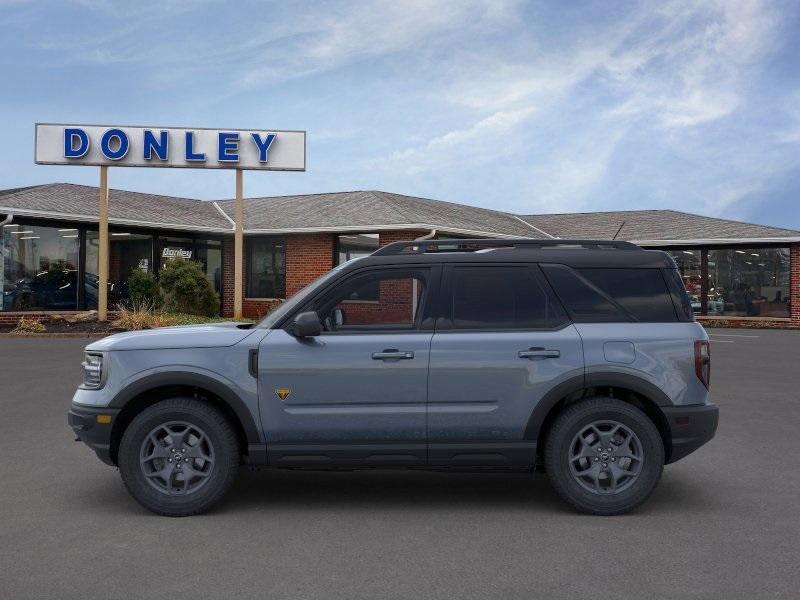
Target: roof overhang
x=718, y=241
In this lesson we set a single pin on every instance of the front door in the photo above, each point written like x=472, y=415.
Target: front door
x=357, y=393
x=501, y=343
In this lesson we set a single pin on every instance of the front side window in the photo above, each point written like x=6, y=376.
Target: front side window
x=501, y=298
x=39, y=267
x=398, y=304
x=266, y=267
x=749, y=282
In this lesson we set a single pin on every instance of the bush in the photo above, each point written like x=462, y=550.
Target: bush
x=26, y=325
x=143, y=289
x=139, y=316
x=186, y=290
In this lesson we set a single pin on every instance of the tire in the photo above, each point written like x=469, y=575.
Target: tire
x=604, y=487
x=208, y=452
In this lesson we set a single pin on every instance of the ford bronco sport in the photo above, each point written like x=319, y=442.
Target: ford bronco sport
x=581, y=358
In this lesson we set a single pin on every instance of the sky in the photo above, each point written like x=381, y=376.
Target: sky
x=528, y=107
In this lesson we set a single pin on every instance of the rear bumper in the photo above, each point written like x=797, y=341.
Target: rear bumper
x=690, y=427
x=97, y=435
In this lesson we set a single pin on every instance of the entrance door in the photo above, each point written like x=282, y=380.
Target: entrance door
x=503, y=341
x=357, y=393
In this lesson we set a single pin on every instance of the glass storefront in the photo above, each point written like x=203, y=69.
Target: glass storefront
x=749, y=282
x=39, y=267
x=690, y=267
x=128, y=251
x=738, y=281
x=266, y=267
x=356, y=245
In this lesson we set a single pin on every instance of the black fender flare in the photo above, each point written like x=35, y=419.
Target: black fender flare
x=198, y=380
x=578, y=383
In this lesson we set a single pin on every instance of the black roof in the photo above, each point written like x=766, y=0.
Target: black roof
x=573, y=253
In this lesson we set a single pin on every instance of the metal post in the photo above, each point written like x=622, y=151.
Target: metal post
x=238, y=254
x=102, y=256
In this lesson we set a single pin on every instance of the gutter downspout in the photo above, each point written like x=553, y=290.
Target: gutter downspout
x=427, y=236
x=7, y=220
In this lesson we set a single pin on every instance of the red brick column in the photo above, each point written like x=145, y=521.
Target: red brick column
x=227, y=277
x=794, y=283
x=307, y=257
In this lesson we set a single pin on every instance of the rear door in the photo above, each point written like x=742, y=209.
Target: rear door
x=502, y=342
x=357, y=393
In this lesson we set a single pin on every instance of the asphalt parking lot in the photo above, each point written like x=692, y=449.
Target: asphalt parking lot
x=724, y=522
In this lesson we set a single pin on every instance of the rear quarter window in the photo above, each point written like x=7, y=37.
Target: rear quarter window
x=594, y=295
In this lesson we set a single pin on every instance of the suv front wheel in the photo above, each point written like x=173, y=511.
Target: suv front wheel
x=178, y=457
x=604, y=456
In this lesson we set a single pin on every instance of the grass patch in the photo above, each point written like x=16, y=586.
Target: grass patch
x=26, y=325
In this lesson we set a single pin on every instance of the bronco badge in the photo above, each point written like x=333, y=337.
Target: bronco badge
x=283, y=393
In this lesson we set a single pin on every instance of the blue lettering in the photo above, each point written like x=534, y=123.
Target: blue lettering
x=263, y=145
x=228, y=147
x=122, y=144
x=190, y=153
x=159, y=146
x=70, y=137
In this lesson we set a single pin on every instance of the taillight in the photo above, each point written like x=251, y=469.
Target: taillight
x=702, y=361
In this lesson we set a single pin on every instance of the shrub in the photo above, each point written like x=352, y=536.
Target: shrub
x=143, y=289
x=139, y=316
x=26, y=325
x=186, y=289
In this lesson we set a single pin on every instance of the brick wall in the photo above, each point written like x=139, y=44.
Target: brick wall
x=307, y=257
x=227, y=277
x=794, y=283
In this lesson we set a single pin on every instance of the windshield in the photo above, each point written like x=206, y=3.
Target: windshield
x=299, y=298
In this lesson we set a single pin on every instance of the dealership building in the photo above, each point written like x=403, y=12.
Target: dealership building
x=740, y=273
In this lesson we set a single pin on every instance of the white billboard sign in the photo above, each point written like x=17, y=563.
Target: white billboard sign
x=181, y=147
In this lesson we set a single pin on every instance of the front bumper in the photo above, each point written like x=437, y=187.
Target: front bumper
x=690, y=427
x=93, y=431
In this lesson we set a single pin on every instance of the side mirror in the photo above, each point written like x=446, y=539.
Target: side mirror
x=306, y=324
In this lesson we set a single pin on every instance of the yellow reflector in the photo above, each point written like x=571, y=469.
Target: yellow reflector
x=104, y=419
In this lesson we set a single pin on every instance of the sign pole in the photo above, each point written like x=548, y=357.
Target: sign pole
x=102, y=259
x=238, y=248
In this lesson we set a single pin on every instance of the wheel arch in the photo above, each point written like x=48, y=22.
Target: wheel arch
x=149, y=390
x=633, y=390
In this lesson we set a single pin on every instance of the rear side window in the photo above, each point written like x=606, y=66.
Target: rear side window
x=683, y=306
x=604, y=295
x=494, y=297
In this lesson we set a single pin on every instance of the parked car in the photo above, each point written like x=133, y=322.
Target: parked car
x=578, y=358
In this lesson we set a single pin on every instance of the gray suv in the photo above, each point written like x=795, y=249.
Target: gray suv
x=579, y=358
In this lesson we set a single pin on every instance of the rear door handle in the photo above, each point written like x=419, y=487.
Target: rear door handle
x=538, y=353
x=391, y=354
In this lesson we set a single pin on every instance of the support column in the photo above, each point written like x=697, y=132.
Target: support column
x=103, y=253
x=238, y=250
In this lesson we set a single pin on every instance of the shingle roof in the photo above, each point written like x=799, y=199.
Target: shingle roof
x=364, y=211
x=374, y=210
x=70, y=201
x=652, y=225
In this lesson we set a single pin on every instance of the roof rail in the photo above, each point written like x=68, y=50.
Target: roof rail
x=473, y=245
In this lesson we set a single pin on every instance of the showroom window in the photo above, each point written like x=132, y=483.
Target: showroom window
x=356, y=245
x=749, y=282
x=128, y=251
x=266, y=267
x=39, y=267
x=689, y=263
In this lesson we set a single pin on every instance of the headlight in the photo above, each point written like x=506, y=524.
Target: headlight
x=92, y=370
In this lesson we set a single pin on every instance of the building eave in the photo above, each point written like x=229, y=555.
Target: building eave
x=718, y=241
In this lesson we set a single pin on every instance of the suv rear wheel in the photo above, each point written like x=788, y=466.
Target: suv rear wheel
x=178, y=457
x=604, y=456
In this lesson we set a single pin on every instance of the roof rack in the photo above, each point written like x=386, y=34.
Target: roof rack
x=475, y=245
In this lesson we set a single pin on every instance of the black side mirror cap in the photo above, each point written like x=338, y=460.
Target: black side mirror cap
x=306, y=324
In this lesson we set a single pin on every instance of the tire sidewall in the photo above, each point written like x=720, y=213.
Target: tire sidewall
x=574, y=420
x=226, y=457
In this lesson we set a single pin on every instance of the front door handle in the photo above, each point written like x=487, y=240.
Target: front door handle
x=392, y=354
x=538, y=353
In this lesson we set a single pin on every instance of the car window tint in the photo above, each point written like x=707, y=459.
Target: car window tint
x=501, y=298
x=584, y=301
x=642, y=292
